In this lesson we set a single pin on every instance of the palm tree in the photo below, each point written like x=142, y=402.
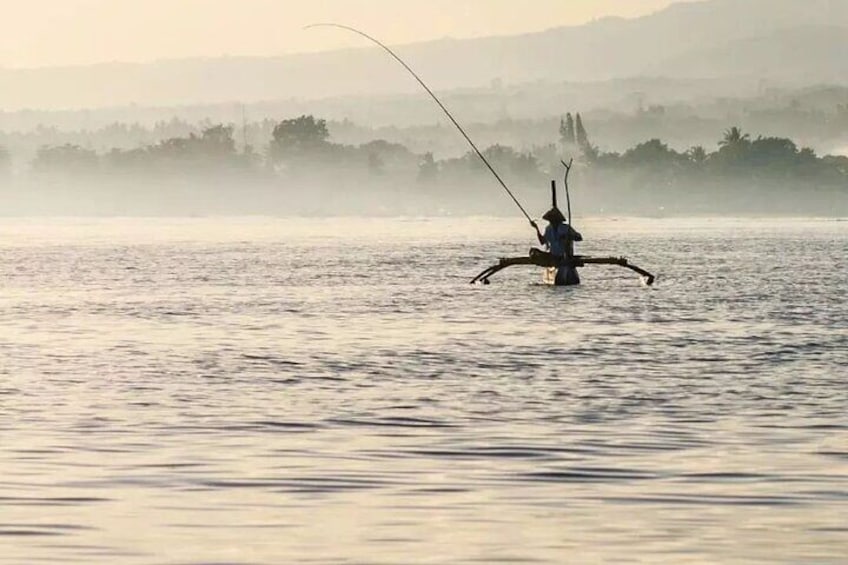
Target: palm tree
x=733, y=137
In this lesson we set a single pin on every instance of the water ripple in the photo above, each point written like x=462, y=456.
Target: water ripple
x=258, y=391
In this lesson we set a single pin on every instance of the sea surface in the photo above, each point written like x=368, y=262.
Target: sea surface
x=333, y=391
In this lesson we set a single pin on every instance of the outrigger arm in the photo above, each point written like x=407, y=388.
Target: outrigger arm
x=540, y=259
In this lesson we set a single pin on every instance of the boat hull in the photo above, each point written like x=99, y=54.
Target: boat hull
x=561, y=276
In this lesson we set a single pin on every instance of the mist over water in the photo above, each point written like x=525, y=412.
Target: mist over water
x=333, y=391
x=236, y=324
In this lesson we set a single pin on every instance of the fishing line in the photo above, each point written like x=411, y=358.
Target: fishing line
x=439, y=102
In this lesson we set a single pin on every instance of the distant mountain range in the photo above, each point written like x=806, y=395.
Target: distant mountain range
x=788, y=42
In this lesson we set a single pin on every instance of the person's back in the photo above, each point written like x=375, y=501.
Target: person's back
x=560, y=238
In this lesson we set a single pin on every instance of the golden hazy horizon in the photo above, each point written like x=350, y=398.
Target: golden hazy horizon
x=73, y=32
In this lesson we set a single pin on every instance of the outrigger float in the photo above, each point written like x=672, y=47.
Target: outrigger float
x=539, y=258
x=554, y=266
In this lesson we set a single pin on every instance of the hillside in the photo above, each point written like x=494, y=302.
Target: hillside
x=793, y=42
x=798, y=55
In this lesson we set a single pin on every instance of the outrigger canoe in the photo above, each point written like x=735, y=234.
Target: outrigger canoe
x=539, y=258
x=560, y=271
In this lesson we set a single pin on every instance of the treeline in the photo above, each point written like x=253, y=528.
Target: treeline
x=302, y=144
x=738, y=157
x=300, y=152
x=298, y=147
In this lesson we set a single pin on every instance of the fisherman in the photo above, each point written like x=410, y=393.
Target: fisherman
x=559, y=240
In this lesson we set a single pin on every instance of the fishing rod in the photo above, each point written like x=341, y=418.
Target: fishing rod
x=439, y=102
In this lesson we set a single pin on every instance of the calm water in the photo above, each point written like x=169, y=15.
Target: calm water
x=332, y=391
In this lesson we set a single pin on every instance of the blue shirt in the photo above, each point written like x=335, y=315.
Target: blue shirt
x=560, y=239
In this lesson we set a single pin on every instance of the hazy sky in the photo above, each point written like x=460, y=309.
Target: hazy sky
x=60, y=32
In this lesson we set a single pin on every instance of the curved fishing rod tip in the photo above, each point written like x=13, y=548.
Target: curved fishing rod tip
x=331, y=24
